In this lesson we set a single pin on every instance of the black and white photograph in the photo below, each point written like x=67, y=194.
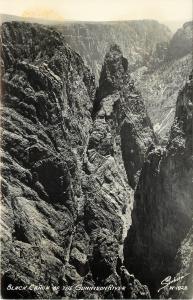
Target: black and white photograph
x=96, y=149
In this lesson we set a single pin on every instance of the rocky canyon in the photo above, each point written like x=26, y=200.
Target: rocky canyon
x=97, y=189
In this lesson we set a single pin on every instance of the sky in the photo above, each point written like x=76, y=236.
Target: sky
x=165, y=11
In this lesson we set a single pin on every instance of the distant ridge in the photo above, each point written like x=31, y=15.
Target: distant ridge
x=11, y=18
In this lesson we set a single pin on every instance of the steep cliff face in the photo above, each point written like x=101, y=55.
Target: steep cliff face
x=109, y=196
x=159, y=61
x=117, y=92
x=66, y=194
x=71, y=161
x=184, y=257
x=163, y=206
x=167, y=71
x=47, y=103
x=181, y=43
x=137, y=40
x=184, y=260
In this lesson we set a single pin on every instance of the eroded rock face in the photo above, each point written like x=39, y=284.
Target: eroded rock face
x=184, y=257
x=181, y=43
x=47, y=103
x=66, y=194
x=71, y=160
x=160, y=62
x=163, y=206
x=137, y=40
x=165, y=74
x=117, y=93
x=184, y=261
x=109, y=196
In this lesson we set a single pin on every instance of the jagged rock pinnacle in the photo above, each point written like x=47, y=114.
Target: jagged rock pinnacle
x=114, y=72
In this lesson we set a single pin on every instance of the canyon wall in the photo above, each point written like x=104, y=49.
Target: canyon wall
x=77, y=158
x=137, y=40
x=160, y=63
x=46, y=119
x=165, y=74
x=70, y=157
x=163, y=206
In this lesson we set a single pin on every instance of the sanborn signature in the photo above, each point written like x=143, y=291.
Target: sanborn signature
x=168, y=281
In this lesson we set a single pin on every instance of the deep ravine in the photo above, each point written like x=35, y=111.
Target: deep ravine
x=67, y=173
x=77, y=159
x=161, y=230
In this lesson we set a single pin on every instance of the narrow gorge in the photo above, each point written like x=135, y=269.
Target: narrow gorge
x=163, y=208
x=89, y=196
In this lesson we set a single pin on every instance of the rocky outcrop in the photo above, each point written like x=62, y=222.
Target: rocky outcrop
x=163, y=207
x=48, y=96
x=117, y=97
x=184, y=261
x=167, y=71
x=182, y=42
x=184, y=257
x=66, y=197
x=160, y=90
x=72, y=156
x=160, y=62
x=109, y=197
x=177, y=47
x=137, y=40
